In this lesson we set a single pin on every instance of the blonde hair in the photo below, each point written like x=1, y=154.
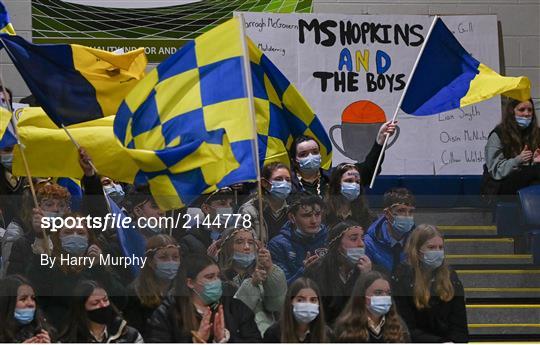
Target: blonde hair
x=422, y=277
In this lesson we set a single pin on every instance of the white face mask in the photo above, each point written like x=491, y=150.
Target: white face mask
x=433, y=258
x=354, y=254
x=305, y=312
x=380, y=305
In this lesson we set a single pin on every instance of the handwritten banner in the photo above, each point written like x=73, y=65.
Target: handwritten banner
x=352, y=70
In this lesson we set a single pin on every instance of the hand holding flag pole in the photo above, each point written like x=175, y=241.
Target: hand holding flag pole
x=387, y=136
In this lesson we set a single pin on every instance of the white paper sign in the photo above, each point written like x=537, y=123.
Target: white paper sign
x=352, y=70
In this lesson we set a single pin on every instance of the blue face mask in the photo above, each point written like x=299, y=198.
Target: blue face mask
x=523, y=122
x=281, y=189
x=115, y=191
x=24, y=315
x=244, y=260
x=74, y=244
x=402, y=225
x=354, y=254
x=380, y=305
x=7, y=160
x=350, y=190
x=433, y=258
x=166, y=270
x=212, y=292
x=310, y=163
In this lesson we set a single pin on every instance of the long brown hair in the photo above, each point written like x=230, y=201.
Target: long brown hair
x=352, y=323
x=146, y=285
x=317, y=327
x=422, y=277
x=359, y=207
x=184, y=310
x=513, y=137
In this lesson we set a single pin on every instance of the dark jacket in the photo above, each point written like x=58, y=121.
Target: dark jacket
x=378, y=244
x=24, y=332
x=163, y=327
x=367, y=167
x=135, y=312
x=335, y=293
x=54, y=288
x=317, y=189
x=289, y=250
x=442, y=321
x=117, y=332
x=195, y=241
x=273, y=335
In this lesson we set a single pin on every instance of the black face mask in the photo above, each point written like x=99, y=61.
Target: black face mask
x=103, y=316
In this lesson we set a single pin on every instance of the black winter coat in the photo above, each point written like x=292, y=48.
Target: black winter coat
x=162, y=326
x=441, y=322
x=117, y=332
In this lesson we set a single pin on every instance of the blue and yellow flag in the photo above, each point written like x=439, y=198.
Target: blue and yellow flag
x=448, y=77
x=7, y=134
x=74, y=83
x=187, y=124
x=5, y=23
x=282, y=113
x=50, y=152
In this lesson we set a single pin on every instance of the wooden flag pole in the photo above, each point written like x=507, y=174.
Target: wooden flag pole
x=401, y=100
x=249, y=90
x=25, y=161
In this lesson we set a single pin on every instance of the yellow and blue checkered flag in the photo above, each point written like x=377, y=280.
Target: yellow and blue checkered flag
x=5, y=23
x=282, y=113
x=187, y=123
x=7, y=134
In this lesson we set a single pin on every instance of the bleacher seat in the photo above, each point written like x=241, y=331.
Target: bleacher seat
x=530, y=207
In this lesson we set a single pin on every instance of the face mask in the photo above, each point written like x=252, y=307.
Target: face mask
x=166, y=270
x=24, y=315
x=523, y=122
x=380, y=305
x=303, y=234
x=402, y=224
x=305, y=312
x=103, y=316
x=354, y=254
x=281, y=189
x=244, y=260
x=433, y=258
x=74, y=244
x=350, y=190
x=310, y=163
x=115, y=191
x=7, y=160
x=211, y=292
x=224, y=214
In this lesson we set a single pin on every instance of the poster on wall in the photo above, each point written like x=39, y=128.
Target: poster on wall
x=353, y=69
x=160, y=26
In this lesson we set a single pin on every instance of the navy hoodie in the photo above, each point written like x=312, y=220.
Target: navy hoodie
x=288, y=250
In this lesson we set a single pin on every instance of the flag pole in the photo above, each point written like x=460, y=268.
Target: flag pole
x=386, y=136
x=249, y=89
x=25, y=161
